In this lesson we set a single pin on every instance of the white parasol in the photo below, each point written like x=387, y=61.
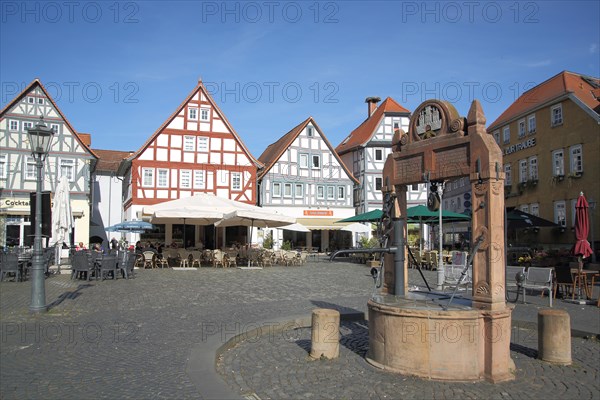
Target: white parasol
x=62, y=218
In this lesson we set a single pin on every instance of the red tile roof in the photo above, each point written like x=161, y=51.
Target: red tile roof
x=365, y=131
x=109, y=160
x=274, y=151
x=37, y=82
x=564, y=83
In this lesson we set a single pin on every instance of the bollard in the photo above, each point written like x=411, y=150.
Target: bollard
x=554, y=336
x=325, y=334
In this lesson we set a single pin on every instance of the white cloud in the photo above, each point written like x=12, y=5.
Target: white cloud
x=593, y=48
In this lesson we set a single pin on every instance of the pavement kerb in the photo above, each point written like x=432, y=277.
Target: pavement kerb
x=201, y=365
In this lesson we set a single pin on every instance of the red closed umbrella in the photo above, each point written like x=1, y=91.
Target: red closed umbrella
x=582, y=228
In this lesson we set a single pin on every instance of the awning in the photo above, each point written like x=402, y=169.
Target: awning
x=321, y=224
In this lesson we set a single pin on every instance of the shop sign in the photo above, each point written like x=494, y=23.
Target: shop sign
x=319, y=213
x=12, y=202
x=519, y=146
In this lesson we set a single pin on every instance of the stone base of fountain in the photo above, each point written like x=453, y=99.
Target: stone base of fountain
x=415, y=335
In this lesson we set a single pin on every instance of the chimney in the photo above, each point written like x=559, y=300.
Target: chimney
x=372, y=104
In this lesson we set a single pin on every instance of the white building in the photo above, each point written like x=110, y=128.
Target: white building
x=304, y=177
x=368, y=146
x=69, y=155
x=107, y=195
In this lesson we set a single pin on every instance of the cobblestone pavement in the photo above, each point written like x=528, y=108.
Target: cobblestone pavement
x=144, y=338
x=278, y=367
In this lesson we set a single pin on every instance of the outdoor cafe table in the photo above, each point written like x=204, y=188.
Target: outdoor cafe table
x=580, y=277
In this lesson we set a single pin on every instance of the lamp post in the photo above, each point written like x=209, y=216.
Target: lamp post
x=40, y=140
x=592, y=205
x=440, y=269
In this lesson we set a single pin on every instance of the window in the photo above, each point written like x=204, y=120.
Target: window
x=204, y=114
x=198, y=179
x=521, y=128
x=13, y=125
x=54, y=128
x=67, y=168
x=378, y=155
x=192, y=113
x=30, y=100
x=533, y=168
x=147, y=177
x=3, y=166
x=558, y=165
x=497, y=136
x=330, y=193
x=378, y=183
x=27, y=125
x=525, y=208
x=414, y=187
x=299, y=190
x=506, y=134
x=236, y=181
x=316, y=162
x=573, y=210
x=40, y=100
x=320, y=192
x=309, y=131
x=203, y=144
x=341, y=192
x=507, y=175
x=162, y=178
x=30, y=169
x=189, y=143
x=559, y=213
x=276, y=189
x=576, y=159
x=185, y=179
x=287, y=190
x=556, y=117
x=522, y=171
x=531, y=122
x=303, y=160
x=534, y=209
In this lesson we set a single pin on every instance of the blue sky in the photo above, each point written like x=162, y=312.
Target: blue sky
x=119, y=69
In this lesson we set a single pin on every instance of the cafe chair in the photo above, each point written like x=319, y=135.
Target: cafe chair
x=10, y=265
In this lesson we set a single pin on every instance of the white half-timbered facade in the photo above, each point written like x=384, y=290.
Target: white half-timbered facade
x=304, y=177
x=196, y=150
x=69, y=155
x=366, y=149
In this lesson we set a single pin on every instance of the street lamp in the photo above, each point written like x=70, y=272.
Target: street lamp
x=592, y=205
x=40, y=140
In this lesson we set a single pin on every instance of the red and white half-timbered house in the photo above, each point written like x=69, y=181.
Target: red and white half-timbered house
x=196, y=150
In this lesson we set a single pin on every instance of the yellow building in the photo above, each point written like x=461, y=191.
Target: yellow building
x=550, y=137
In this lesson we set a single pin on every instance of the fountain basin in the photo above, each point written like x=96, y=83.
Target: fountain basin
x=415, y=335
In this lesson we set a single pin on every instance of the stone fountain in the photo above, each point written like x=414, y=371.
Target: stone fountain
x=422, y=333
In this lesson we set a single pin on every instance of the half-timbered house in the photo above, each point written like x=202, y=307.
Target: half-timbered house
x=304, y=177
x=196, y=150
x=69, y=155
x=366, y=149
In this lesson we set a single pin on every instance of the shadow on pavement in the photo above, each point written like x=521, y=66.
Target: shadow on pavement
x=71, y=295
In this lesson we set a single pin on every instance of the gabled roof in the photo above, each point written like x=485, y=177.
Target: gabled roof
x=361, y=135
x=274, y=151
x=29, y=88
x=109, y=160
x=565, y=83
x=199, y=87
